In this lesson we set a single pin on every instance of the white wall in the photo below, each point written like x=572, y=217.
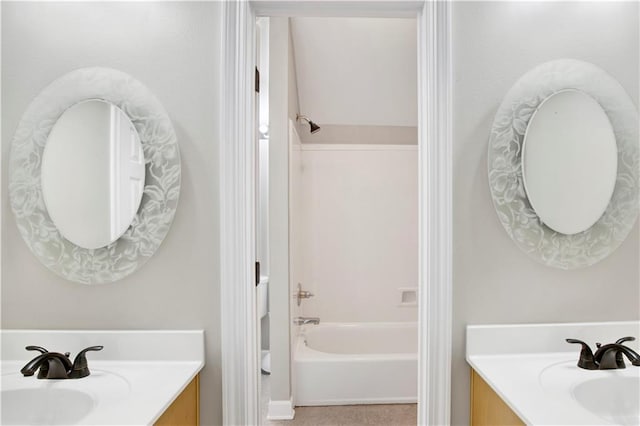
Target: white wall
x=174, y=49
x=263, y=231
x=357, y=71
x=297, y=229
x=283, y=105
x=494, y=282
x=360, y=218
x=297, y=235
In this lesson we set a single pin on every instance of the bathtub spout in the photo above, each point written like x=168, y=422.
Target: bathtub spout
x=306, y=320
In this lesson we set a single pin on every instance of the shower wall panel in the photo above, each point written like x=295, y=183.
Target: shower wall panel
x=360, y=213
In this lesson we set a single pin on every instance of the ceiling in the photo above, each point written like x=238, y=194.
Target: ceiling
x=356, y=71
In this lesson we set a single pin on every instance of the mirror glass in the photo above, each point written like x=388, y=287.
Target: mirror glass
x=93, y=173
x=569, y=161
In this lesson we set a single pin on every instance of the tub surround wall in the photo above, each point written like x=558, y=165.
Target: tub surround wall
x=360, y=220
x=173, y=49
x=494, y=282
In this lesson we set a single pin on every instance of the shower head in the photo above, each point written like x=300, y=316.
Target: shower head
x=313, y=127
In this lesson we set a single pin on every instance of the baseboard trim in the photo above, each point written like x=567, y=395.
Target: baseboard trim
x=355, y=401
x=281, y=410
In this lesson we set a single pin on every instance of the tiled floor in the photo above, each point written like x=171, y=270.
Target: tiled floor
x=343, y=415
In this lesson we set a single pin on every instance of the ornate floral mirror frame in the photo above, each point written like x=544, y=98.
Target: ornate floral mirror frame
x=162, y=177
x=505, y=168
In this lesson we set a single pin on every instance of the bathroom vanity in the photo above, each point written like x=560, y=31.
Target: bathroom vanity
x=527, y=374
x=139, y=378
x=487, y=407
x=185, y=409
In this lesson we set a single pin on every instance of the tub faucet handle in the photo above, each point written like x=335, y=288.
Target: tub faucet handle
x=301, y=294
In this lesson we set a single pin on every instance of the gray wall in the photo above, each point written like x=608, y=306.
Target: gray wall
x=279, y=110
x=283, y=107
x=494, y=44
x=172, y=48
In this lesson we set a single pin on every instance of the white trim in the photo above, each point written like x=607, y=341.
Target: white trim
x=239, y=368
x=356, y=147
x=436, y=213
x=356, y=401
x=281, y=410
x=240, y=364
x=2, y=203
x=341, y=8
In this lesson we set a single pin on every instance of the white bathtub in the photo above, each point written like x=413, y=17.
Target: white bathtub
x=356, y=363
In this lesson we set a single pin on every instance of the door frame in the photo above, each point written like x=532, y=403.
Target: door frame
x=240, y=363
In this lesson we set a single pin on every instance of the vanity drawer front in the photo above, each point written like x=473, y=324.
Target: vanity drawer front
x=487, y=408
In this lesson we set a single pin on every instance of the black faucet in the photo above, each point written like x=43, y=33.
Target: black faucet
x=54, y=365
x=607, y=357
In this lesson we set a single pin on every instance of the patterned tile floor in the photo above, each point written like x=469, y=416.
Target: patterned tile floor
x=343, y=415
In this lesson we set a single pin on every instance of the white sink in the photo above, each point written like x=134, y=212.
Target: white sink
x=615, y=399
x=45, y=406
x=132, y=381
x=611, y=395
x=533, y=369
x=28, y=400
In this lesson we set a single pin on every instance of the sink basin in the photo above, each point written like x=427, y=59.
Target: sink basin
x=31, y=401
x=614, y=399
x=534, y=370
x=611, y=395
x=45, y=406
x=132, y=382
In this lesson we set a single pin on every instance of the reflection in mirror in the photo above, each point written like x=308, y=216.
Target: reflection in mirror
x=93, y=173
x=569, y=161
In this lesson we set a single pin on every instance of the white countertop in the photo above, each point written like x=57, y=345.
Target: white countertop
x=534, y=370
x=133, y=379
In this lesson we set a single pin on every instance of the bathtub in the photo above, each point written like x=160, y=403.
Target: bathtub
x=356, y=363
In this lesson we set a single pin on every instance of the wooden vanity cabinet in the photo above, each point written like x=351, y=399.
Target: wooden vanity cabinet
x=487, y=408
x=185, y=410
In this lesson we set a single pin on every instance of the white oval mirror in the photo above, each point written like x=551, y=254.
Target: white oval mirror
x=93, y=173
x=569, y=161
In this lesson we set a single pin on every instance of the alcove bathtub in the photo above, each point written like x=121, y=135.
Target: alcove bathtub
x=356, y=363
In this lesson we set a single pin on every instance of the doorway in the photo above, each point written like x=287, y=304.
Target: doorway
x=239, y=335
x=348, y=89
